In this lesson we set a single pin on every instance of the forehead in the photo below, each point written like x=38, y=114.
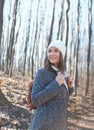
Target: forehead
x=53, y=48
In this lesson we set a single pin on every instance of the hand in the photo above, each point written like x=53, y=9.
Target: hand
x=60, y=78
x=70, y=82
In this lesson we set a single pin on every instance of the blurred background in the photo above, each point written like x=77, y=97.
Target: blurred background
x=28, y=27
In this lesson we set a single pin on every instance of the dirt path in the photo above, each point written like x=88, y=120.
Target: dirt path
x=16, y=115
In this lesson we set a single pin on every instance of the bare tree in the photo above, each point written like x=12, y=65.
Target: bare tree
x=78, y=45
x=67, y=20
x=1, y=24
x=89, y=44
x=3, y=100
x=26, y=45
x=10, y=50
x=51, y=29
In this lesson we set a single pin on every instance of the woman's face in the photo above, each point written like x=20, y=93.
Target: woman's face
x=53, y=55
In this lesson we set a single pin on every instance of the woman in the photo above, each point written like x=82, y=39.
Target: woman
x=50, y=91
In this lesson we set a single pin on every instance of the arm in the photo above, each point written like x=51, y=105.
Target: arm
x=71, y=90
x=41, y=93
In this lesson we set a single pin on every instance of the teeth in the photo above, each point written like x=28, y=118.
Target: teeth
x=52, y=58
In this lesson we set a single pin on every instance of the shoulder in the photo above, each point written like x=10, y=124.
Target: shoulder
x=42, y=75
x=42, y=72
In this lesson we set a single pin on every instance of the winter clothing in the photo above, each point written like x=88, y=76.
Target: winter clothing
x=60, y=45
x=51, y=100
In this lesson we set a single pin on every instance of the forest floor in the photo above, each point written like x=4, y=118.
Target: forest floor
x=15, y=115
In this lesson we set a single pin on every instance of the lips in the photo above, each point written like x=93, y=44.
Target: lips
x=52, y=58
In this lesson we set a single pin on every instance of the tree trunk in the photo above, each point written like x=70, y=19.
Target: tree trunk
x=3, y=100
x=67, y=30
x=93, y=96
x=1, y=24
x=26, y=44
x=78, y=45
x=10, y=51
x=89, y=47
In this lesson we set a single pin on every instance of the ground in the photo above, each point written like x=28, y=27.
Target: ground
x=16, y=115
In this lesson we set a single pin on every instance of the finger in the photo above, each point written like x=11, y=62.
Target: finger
x=59, y=73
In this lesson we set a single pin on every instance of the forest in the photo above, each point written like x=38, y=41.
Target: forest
x=26, y=29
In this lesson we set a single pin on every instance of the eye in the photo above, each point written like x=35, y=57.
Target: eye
x=56, y=50
x=53, y=50
x=49, y=50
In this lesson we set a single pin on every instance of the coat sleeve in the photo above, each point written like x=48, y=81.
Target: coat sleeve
x=41, y=93
x=71, y=90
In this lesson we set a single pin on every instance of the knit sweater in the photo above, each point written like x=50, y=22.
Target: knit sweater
x=51, y=100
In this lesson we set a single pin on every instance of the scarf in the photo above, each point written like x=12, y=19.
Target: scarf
x=56, y=69
x=65, y=83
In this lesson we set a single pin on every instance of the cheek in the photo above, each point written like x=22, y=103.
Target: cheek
x=48, y=57
x=58, y=56
x=58, y=59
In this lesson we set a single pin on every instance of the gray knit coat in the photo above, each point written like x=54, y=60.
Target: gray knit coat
x=51, y=100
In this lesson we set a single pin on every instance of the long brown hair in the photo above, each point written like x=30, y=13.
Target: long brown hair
x=61, y=65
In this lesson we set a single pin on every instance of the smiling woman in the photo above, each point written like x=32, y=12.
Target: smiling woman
x=51, y=91
x=56, y=52
x=53, y=56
